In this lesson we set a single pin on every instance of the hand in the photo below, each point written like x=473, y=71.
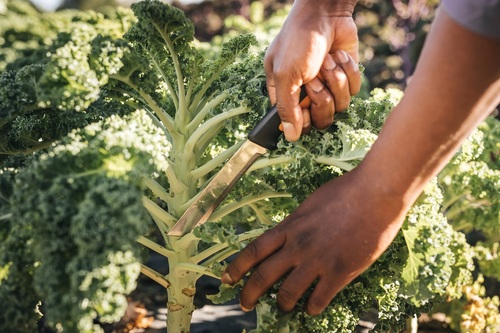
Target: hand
x=330, y=91
x=331, y=238
x=300, y=52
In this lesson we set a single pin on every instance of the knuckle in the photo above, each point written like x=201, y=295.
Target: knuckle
x=284, y=113
x=328, y=100
x=323, y=117
x=258, y=279
x=251, y=250
x=322, y=125
x=281, y=73
x=287, y=299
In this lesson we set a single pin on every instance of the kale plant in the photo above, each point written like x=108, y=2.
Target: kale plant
x=118, y=123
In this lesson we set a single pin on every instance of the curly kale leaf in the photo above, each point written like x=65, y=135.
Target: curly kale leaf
x=60, y=88
x=471, y=182
x=78, y=208
x=18, y=92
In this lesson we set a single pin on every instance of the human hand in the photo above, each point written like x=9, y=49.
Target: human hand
x=302, y=50
x=333, y=236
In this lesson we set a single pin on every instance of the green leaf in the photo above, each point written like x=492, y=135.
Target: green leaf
x=415, y=260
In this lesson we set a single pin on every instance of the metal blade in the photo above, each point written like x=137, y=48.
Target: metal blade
x=213, y=194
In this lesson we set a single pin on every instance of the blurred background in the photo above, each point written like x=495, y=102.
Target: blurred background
x=391, y=32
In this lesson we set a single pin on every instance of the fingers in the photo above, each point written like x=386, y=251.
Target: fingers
x=322, y=106
x=290, y=111
x=252, y=255
x=331, y=91
x=283, y=87
x=342, y=77
x=339, y=79
x=323, y=294
x=306, y=121
x=351, y=70
x=263, y=277
x=286, y=99
x=294, y=286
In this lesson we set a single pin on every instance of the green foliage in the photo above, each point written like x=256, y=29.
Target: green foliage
x=52, y=82
x=76, y=214
x=475, y=312
x=488, y=256
x=119, y=120
x=471, y=183
x=427, y=263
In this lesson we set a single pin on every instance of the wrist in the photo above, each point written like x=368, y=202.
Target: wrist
x=340, y=8
x=333, y=8
x=386, y=182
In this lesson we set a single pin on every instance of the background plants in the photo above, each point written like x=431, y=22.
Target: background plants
x=112, y=122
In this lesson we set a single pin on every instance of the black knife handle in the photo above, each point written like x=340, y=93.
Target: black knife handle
x=267, y=133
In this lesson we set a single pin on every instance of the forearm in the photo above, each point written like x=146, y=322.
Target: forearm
x=455, y=86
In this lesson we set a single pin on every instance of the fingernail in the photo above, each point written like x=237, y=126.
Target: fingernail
x=226, y=279
x=245, y=309
x=289, y=131
x=316, y=85
x=328, y=63
x=342, y=56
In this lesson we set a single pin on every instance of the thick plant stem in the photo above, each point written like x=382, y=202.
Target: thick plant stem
x=412, y=325
x=180, y=302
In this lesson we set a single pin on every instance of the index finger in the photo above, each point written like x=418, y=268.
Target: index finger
x=287, y=104
x=254, y=253
x=285, y=96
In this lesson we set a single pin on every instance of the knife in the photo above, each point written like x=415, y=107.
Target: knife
x=262, y=138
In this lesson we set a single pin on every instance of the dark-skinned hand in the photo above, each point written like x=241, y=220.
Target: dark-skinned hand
x=330, y=239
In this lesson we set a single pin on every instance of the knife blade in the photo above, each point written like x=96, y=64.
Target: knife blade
x=262, y=138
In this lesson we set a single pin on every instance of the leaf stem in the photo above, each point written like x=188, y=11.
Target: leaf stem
x=158, y=212
x=226, y=253
x=156, y=188
x=215, y=162
x=174, y=181
x=164, y=117
x=156, y=247
x=267, y=162
x=229, y=208
x=155, y=276
x=333, y=161
x=211, y=123
x=448, y=203
x=205, y=110
x=173, y=93
x=186, y=266
x=219, y=247
x=178, y=71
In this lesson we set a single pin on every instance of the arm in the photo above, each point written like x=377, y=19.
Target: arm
x=455, y=86
x=309, y=44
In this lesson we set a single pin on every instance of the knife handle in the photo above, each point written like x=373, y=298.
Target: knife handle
x=267, y=132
